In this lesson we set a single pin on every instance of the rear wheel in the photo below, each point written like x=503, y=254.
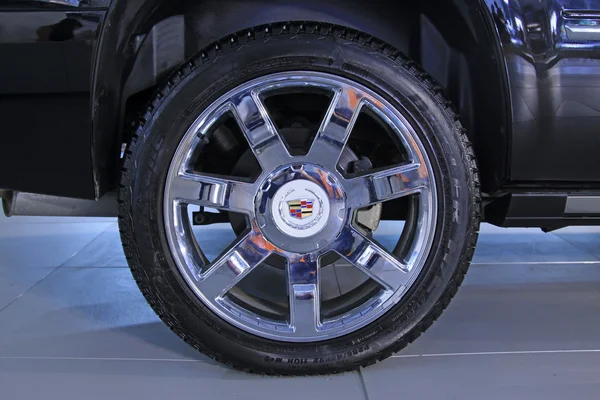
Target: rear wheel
x=301, y=144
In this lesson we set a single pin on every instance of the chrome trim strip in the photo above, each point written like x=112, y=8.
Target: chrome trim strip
x=32, y=204
x=72, y=3
x=582, y=205
x=583, y=32
x=581, y=14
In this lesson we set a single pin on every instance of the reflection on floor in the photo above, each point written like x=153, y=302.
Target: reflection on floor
x=525, y=325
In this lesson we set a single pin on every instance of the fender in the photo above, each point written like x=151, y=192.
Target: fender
x=113, y=56
x=445, y=37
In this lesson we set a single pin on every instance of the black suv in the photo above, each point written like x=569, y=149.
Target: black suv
x=297, y=131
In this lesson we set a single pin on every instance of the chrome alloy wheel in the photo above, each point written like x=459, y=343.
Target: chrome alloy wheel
x=300, y=208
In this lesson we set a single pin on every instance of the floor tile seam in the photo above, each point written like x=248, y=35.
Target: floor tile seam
x=499, y=353
x=577, y=246
x=54, y=269
x=363, y=383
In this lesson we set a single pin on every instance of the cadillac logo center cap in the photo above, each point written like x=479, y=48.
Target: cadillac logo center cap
x=300, y=208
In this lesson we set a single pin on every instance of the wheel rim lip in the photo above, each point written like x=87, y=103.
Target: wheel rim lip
x=361, y=316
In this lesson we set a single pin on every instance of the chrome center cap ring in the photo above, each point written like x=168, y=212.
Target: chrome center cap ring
x=301, y=208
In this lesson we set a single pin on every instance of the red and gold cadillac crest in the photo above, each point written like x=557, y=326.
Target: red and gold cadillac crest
x=300, y=208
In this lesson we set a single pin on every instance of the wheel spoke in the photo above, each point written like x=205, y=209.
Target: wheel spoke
x=259, y=130
x=301, y=233
x=235, y=263
x=337, y=125
x=208, y=191
x=304, y=294
x=372, y=259
x=386, y=185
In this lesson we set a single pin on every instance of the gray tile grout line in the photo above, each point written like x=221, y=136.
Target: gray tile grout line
x=97, y=267
x=576, y=246
x=363, y=383
x=173, y=360
x=86, y=245
x=55, y=269
x=592, y=262
x=28, y=289
x=498, y=353
x=359, y=371
x=62, y=221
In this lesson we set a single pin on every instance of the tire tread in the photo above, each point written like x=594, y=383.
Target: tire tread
x=245, y=37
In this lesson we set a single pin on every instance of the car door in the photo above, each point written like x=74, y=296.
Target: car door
x=45, y=129
x=552, y=50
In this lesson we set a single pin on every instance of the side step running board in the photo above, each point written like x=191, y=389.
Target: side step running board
x=19, y=203
x=549, y=211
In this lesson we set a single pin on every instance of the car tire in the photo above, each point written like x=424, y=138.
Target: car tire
x=314, y=49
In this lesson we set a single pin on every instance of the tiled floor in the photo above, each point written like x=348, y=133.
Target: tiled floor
x=525, y=325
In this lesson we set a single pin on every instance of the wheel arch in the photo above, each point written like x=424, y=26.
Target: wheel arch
x=144, y=40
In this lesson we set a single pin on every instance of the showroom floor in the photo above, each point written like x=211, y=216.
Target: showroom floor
x=525, y=325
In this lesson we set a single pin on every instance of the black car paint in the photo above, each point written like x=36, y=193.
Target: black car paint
x=45, y=124
x=61, y=91
x=554, y=89
x=208, y=21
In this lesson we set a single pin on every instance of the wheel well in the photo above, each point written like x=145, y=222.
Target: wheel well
x=451, y=40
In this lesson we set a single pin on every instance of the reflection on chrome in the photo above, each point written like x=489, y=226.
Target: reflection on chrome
x=301, y=241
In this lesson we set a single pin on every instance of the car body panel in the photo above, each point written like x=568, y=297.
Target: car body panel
x=44, y=97
x=208, y=20
x=552, y=54
x=69, y=63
